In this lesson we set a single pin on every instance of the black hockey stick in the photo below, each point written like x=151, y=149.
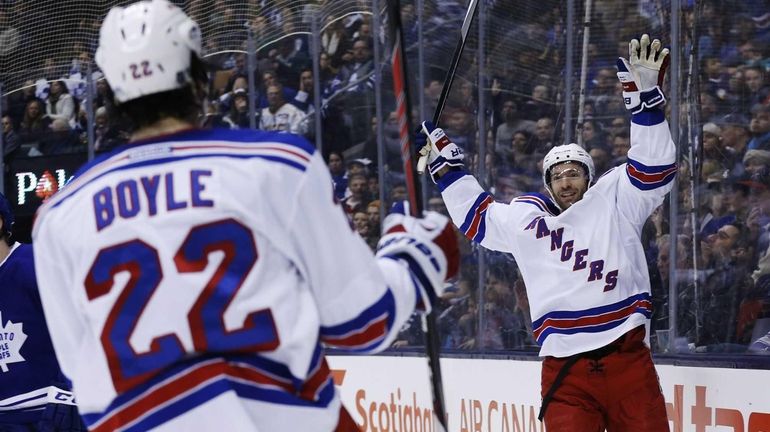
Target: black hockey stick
x=450, y=73
x=404, y=110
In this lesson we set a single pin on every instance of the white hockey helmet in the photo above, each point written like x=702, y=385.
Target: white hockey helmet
x=567, y=153
x=146, y=48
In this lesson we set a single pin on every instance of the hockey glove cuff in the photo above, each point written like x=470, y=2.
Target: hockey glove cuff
x=427, y=247
x=438, y=151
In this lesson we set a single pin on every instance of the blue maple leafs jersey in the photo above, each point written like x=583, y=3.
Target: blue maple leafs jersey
x=29, y=373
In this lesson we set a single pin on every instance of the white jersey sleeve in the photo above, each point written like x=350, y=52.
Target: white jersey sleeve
x=363, y=302
x=650, y=168
x=482, y=219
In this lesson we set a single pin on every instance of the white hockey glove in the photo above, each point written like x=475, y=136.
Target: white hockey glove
x=643, y=75
x=427, y=246
x=436, y=150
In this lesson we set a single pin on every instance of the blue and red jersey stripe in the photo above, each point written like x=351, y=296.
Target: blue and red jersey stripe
x=650, y=177
x=189, y=385
x=474, y=226
x=281, y=149
x=592, y=320
x=366, y=331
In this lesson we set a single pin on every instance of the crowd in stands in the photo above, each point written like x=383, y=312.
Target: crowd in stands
x=722, y=268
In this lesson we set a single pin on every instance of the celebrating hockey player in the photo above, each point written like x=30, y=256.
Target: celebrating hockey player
x=34, y=395
x=192, y=278
x=579, y=252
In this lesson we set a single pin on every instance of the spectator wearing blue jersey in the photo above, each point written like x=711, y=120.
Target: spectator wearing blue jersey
x=336, y=164
x=34, y=394
x=760, y=128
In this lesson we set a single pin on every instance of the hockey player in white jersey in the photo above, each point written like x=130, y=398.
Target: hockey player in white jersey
x=579, y=252
x=192, y=278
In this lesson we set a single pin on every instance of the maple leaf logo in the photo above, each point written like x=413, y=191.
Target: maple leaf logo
x=12, y=337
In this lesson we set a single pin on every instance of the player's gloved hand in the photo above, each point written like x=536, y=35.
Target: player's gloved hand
x=427, y=245
x=436, y=150
x=642, y=75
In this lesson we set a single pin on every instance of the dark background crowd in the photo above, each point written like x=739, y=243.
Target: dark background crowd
x=515, y=88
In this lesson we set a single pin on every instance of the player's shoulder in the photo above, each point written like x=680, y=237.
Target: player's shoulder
x=537, y=202
x=277, y=148
x=608, y=180
x=255, y=138
x=23, y=251
x=21, y=254
x=281, y=150
x=215, y=140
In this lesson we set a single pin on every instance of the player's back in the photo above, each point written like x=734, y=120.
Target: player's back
x=184, y=276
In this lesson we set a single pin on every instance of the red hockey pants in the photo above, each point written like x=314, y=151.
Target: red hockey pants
x=618, y=392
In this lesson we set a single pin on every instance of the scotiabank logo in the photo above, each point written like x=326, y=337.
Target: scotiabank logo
x=398, y=414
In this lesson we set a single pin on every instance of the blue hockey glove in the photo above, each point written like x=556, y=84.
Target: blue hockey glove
x=642, y=75
x=436, y=150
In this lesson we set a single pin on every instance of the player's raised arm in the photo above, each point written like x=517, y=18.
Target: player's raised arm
x=651, y=165
x=363, y=301
x=473, y=210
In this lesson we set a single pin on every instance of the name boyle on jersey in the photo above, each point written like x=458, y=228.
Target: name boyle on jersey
x=579, y=257
x=123, y=200
x=12, y=338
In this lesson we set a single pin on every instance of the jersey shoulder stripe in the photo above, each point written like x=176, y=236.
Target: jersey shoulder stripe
x=650, y=177
x=592, y=320
x=282, y=151
x=187, y=386
x=473, y=219
x=367, y=330
x=542, y=202
x=242, y=136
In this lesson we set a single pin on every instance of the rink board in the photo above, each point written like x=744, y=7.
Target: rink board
x=392, y=394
